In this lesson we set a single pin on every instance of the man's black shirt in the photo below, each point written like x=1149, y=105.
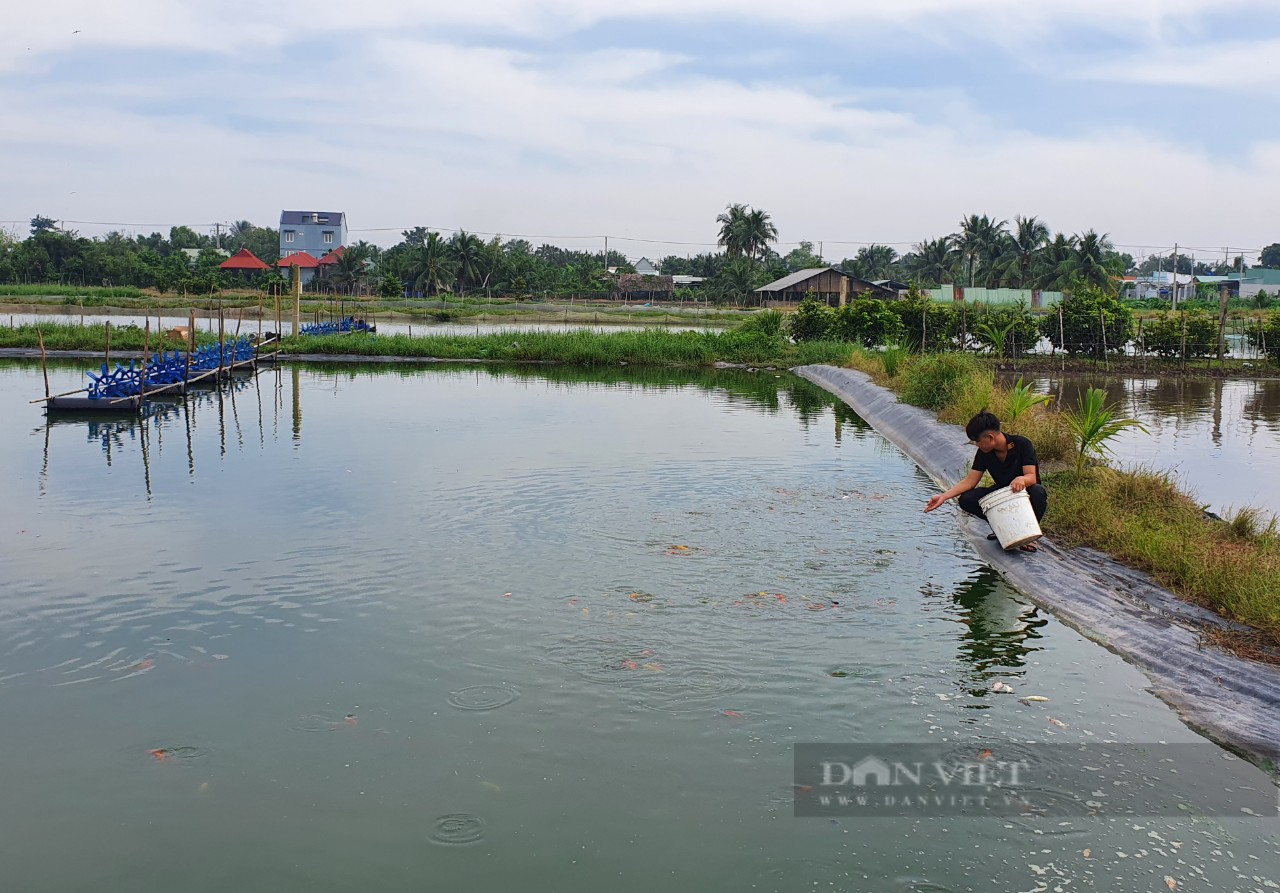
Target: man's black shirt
x=1021, y=453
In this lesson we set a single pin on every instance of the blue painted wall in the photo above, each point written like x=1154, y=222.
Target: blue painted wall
x=315, y=232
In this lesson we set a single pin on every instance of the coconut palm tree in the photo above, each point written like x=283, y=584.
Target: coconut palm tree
x=733, y=230
x=1094, y=261
x=239, y=233
x=745, y=233
x=760, y=231
x=428, y=265
x=349, y=271
x=876, y=262
x=1054, y=263
x=979, y=242
x=1014, y=267
x=467, y=254
x=933, y=261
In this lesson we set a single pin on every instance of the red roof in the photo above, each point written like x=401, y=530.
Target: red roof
x=301, y=259
x=332, y=256
x=244, y=259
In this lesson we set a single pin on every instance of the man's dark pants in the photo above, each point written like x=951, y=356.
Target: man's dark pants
x=1038, y=494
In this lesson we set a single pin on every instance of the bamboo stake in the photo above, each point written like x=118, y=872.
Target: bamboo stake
x=146, y=347
x=44, y=364
x=106, y=357
x=65, y=394
x=1184, y=341
x=1102, y=319
x=1062, y=338
x=222, y=338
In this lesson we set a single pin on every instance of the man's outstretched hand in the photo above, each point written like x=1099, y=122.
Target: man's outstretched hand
x=934, y=502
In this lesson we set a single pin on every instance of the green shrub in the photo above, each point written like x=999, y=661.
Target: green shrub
x=866, y=321
x=927, y=325
x=1008, y=330
x=764, y=322
x=1163, y=334
x=1088, y=313
x=940, y=380
x=1265, y=332
x=811, y=322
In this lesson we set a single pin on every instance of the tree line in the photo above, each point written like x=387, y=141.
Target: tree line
x=982, y=251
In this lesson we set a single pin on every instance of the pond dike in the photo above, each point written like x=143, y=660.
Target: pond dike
x=1234, y=701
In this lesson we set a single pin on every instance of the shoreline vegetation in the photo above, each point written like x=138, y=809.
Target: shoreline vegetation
x=1139, y=516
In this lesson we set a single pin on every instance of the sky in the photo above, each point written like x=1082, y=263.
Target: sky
x=565, y=121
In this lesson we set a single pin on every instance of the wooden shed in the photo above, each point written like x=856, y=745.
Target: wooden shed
x=828, y=284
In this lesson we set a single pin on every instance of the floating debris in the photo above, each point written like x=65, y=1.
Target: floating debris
x=1033, y=699
x=1001, y=687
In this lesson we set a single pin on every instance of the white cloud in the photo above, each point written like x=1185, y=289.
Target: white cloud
x=418, y=128
x=1252, y=65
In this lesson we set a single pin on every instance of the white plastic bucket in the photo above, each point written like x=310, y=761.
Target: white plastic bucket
x=1011, y=517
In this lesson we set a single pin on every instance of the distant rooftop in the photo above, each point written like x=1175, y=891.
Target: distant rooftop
x=297, y=218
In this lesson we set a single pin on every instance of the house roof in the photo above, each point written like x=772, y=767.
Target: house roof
x=297, y=218
x=301, y=259
x=789, y=283
x=333, y=256
x=1265, y=275
x=244, y=259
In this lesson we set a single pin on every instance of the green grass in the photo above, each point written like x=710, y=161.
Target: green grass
x=1142, y=518
x=583, y=347
x=654, y=347
x=69, y=291
x=72, y=336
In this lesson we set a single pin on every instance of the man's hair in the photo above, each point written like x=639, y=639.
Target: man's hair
x=981, y=424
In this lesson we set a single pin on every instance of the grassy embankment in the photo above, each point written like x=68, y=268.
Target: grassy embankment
x=445, y=308
x=657, y=347
x=1140, y=516
x=93, y=337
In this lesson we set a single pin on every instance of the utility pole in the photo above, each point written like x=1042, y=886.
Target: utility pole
x=821, y=254
x=217, y=235
x=1174, y=288
x=606, y=254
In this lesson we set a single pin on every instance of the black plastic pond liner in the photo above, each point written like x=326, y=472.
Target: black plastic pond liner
x=1228, y=698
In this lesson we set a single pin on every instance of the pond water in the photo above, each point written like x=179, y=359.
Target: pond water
x=1221, y=437
x=496, y=630
x=482, y=325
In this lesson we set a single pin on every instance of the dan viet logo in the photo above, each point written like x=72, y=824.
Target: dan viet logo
x=1017, y=779
x=873, y=771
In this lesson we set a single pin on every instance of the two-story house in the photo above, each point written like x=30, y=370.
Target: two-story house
x=315, y=232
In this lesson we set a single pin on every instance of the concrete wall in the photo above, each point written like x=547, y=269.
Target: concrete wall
x=946, y=294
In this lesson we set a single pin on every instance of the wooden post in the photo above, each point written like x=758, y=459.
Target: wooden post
x=191, y=334
x=1184, y=341
x=146, y=349
x=106, y=357
x=1102, y=320
x=1142, y=346
x=1222, y=323
x=44, y=364
x=844, y=289
x=222, y=341
x=296, y=283
x=1062, y=337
